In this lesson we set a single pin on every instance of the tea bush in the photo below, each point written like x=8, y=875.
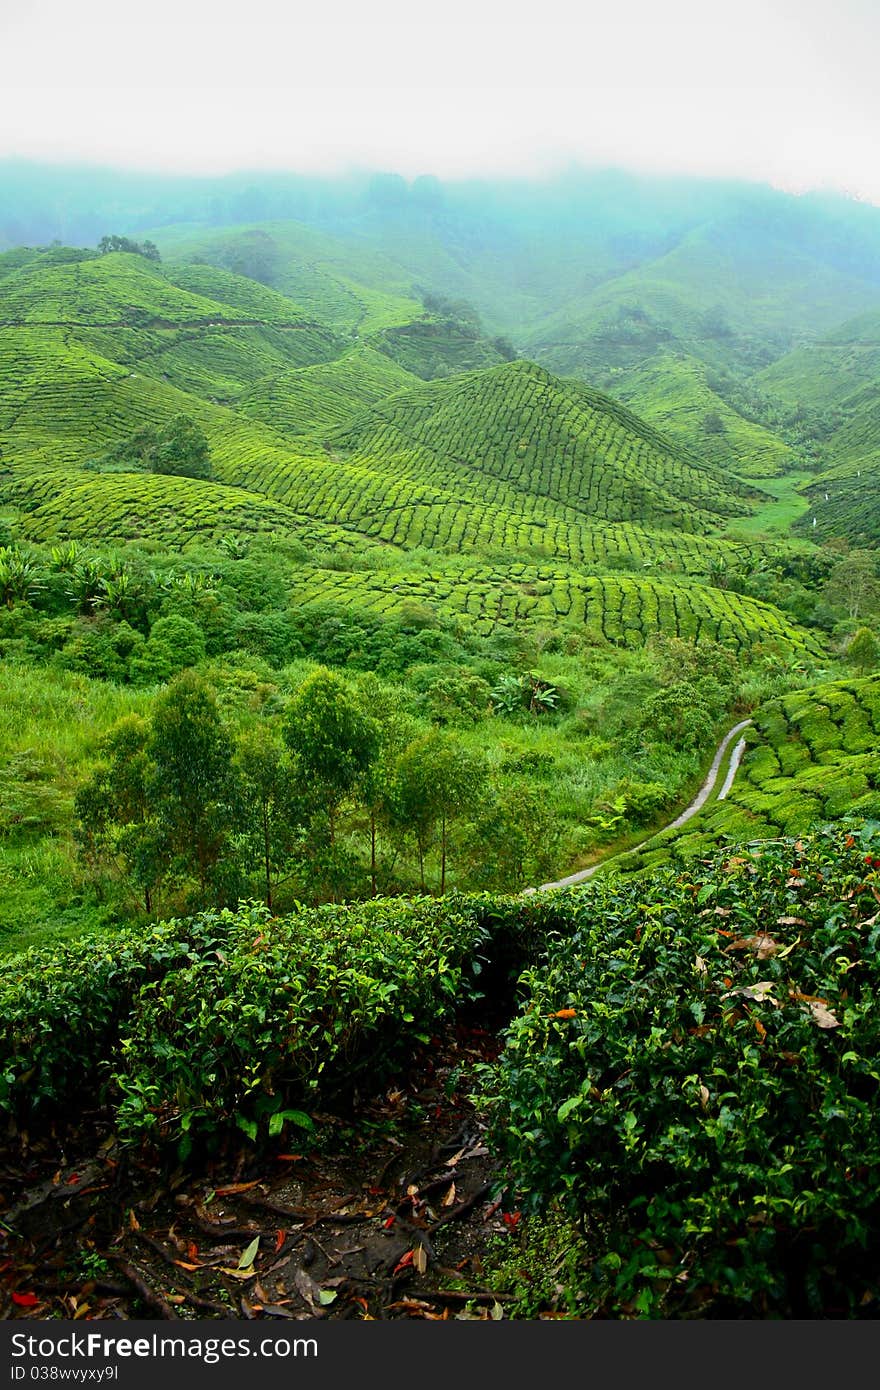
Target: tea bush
x=694, y=1075
x=63, y=1009
x=231, y=1018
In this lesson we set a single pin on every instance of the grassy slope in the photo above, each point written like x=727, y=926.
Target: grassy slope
x=324, y=396
x=54, y=720
x=765, y=295
x=811, y=757
x=671, y=391
x=840, y=374
x=353, y=290
x=555, y=440
x=120, y=288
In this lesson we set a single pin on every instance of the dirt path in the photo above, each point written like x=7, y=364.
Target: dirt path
x=696, y=805
x=391, y=1216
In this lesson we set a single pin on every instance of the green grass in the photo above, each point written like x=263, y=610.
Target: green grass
x=777, y=516
x=50, y=724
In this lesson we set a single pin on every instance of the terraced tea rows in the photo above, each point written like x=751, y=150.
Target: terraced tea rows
x=349, y=287
x=402, y=500
x=112, y=507
x=672, y=392
x=324, y=397
x=62, y=404
x=119, y=288
x=217, y=363
x=556, y=441
x=624, y=611
x=812, y=757
x=845, y=502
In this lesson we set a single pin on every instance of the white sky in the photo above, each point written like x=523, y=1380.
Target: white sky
x=777, y=90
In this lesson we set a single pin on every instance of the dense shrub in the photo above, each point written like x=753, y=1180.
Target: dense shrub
x=229, y=1019
x=694, y=1075
x=62, y=1010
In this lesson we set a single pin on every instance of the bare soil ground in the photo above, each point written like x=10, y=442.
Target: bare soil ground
x=389, y=1218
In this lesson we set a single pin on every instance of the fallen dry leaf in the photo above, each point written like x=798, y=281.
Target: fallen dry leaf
x=235, y=1187
x=822, y=1015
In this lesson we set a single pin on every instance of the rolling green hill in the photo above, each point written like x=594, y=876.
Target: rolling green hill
x=128, y=289
x=560, y=442
x=354, y=289
x=318, y=398
x=672, y=392
x=62, y=403
x=723, y=294
x=827, y=372
x=58, y=505
x=839, y=377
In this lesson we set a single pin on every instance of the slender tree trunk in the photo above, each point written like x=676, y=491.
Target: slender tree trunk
x=443, y=854
x=148, y=900
x=373, y=851
x=267, y=860
x=421, y=862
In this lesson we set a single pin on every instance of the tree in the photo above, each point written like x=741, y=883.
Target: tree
x=269, y=813
x=116, y=822
x=678, y=716
x=863, y=651
x=437, y=779
x=147, y=249
x=333, y=741
x=712, y=422
x=20, y=576
x=175, y=643
x=181, y=448
x=853, y=583
x=192, y=753
x=394, y=731
x=514, y=840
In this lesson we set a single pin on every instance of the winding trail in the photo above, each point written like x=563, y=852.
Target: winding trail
x=696, y=805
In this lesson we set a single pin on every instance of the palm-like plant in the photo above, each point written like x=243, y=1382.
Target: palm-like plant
x=19, y=575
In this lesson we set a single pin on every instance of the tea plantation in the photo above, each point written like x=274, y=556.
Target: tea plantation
x=812, y=757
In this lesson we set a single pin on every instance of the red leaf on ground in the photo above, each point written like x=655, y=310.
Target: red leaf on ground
x=25, y=1300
